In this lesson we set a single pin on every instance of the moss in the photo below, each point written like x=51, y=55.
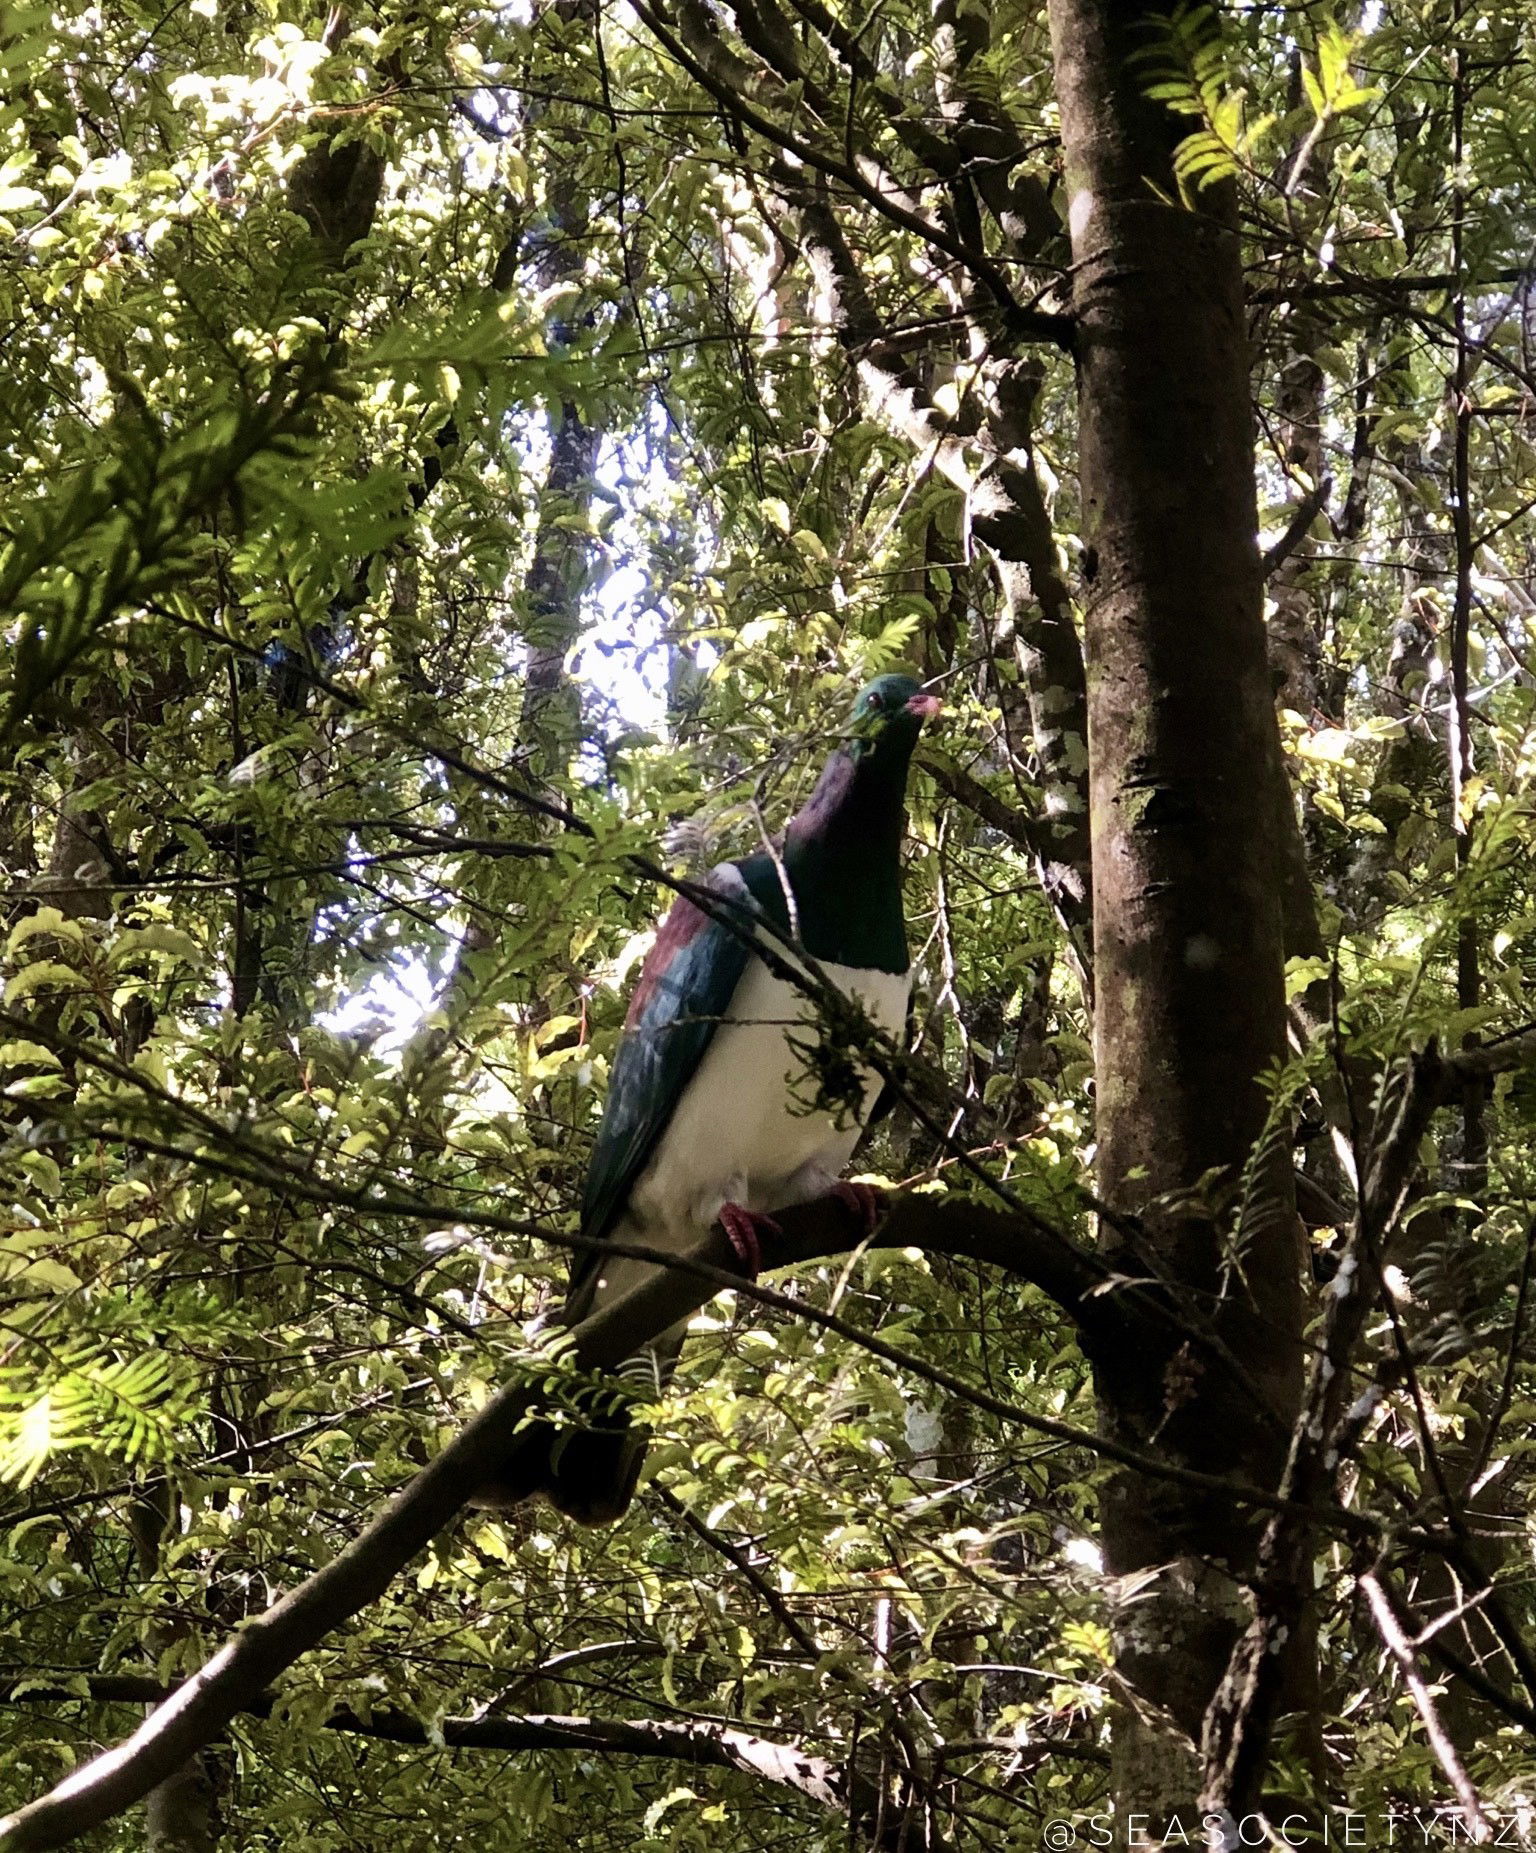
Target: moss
x=1134, y=802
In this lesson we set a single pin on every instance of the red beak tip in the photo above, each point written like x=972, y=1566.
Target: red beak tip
x=924, y=706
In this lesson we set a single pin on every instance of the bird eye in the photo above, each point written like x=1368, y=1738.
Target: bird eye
x=877, y=701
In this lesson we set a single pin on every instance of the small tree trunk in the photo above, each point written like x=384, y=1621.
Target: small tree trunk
x=1184, y=763
x=557, y=578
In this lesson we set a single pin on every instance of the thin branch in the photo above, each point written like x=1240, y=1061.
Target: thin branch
x=1432, y=1640
x=1307, y=511
x=772, y=1600
x=1345, y=284
x=1512, y=1359
x=1398, y=1645
x=703, y=1745
x=983, y=803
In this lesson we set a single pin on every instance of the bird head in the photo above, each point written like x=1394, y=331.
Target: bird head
x=889, y=713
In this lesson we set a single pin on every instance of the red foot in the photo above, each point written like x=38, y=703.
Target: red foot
x=741, y=1227
x=863, y=1202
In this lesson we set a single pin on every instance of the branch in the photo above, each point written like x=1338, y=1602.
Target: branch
x=353, y=703
x=1430, y=1079
x=1105, y=1303
x=1016, y=1238
x=496, y=1445
x=1401, y=1650
x=446, y=841
x=1307, y=511
x=847, y=1792
x=1350, y=285
x=1238, y=1720
x=502, y=1445
x=984, y=803
x=1487, y=1060
x=1432, y=1639
x=1021, y=321
x=794, y=1629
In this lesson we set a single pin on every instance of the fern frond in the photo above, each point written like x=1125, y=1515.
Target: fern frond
x=131, y=1408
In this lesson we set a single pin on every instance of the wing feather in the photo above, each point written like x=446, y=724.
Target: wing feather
x=684, y=989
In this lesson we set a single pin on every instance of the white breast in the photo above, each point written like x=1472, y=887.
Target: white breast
x=744, y=1130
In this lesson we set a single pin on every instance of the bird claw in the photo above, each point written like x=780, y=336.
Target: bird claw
x=741, y=1227
x=863, y=1202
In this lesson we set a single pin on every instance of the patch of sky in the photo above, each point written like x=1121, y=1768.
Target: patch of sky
x=623, y=664
x=624, y=661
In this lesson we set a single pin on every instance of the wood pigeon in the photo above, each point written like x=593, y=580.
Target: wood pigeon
x=709, y=1114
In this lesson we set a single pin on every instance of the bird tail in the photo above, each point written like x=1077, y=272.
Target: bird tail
x=591, y=1474
x=588, y=1466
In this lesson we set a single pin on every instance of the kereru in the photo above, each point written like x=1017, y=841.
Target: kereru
x=709, y=1106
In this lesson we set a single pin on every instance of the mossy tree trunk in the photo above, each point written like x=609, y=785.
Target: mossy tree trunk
x=1188, y=942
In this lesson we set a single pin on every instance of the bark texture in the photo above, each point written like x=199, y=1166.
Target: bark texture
x=1184, y=763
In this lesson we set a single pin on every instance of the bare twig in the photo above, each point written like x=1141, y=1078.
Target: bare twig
x=1401, y=1650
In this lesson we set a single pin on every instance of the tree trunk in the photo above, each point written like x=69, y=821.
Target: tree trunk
x=1184, y=760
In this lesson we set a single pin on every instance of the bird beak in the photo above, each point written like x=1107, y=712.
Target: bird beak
x=924, y=706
